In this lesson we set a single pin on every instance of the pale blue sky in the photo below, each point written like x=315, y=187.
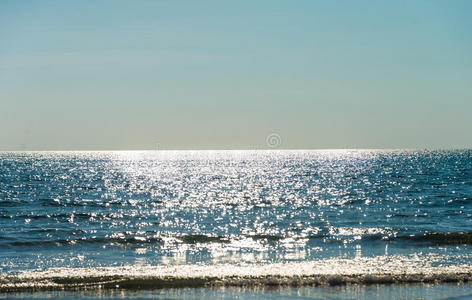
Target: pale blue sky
x=99, y=75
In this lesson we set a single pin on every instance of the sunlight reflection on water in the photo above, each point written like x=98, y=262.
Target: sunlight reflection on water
x=184, y=207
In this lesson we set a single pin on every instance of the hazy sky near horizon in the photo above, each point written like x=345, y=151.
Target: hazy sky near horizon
x=104, y=75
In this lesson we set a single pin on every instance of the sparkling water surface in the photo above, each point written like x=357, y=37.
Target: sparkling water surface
x=155, y=208
x=393, y=292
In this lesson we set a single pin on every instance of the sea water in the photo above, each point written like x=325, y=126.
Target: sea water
x=180, y=219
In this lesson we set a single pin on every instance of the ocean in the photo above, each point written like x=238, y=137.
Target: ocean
x=236, y=224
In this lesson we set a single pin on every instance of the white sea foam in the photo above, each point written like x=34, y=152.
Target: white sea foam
x=335, y=271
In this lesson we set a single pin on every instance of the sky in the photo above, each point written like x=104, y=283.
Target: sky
x=132, y=75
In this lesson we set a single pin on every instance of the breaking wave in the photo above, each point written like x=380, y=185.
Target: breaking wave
x=335, y=271
x=430, y=238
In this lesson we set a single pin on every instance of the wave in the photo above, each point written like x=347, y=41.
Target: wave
x=79, y=241
x=132, y=240
x=443, y=238
x=335, y=271
x=202, y=238
x=430, y=239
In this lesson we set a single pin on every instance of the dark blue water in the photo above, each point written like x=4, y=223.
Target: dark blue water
x=159, y=208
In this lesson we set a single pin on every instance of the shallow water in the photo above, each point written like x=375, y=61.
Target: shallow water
x=91, y=210
x=394, y=292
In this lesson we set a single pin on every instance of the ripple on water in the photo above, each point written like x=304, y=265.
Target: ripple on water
x=224, y=206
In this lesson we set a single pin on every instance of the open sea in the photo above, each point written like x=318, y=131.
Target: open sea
x=340, y=224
